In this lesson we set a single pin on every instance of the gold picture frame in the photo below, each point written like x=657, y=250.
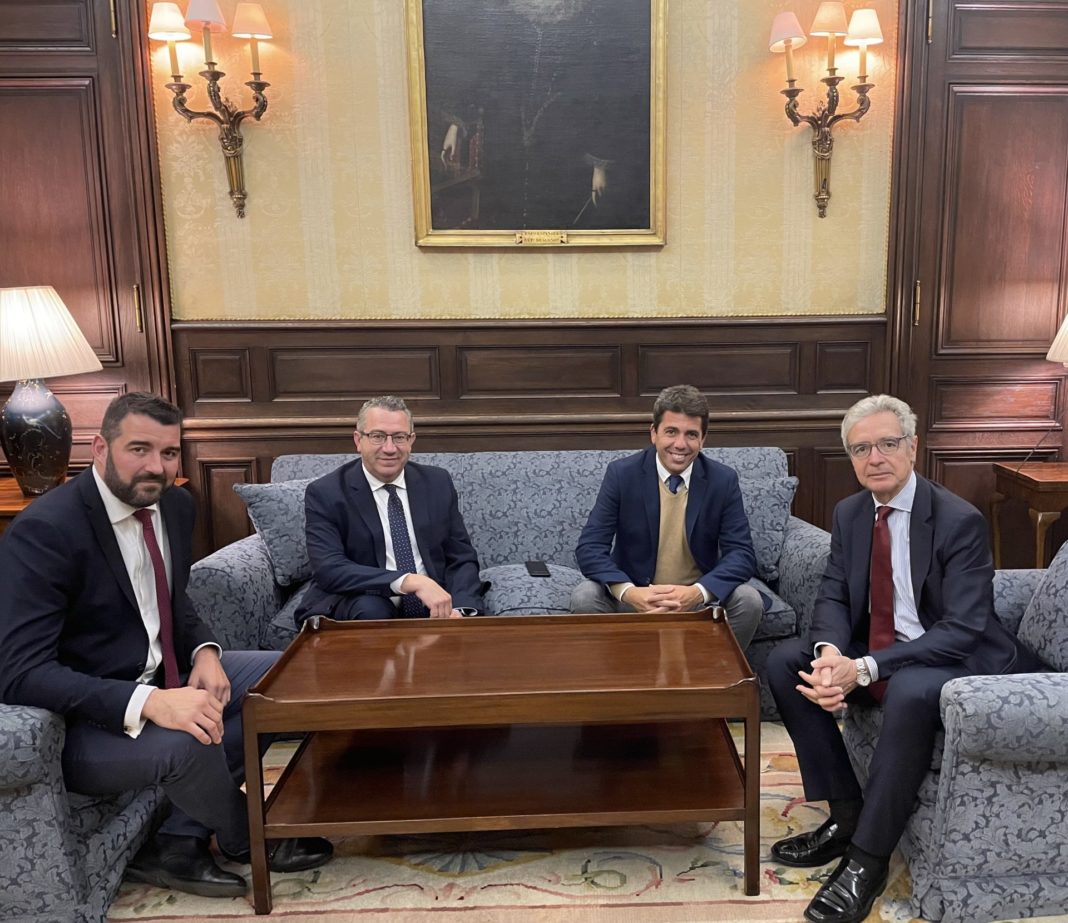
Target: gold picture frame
x=537, y=123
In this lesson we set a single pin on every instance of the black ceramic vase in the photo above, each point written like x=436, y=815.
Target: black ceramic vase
x=36, y=434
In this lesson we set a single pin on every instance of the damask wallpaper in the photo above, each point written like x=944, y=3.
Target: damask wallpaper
x=329, y=232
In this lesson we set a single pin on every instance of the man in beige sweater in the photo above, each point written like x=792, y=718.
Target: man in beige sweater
x=668, y=532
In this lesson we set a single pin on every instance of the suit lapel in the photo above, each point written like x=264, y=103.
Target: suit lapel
x=105, y=534
x=178, y=548
x=419, y=507
x=650, y=493
x=921, y=539
x=695, y=501
x=365, y=504
x=860, y=541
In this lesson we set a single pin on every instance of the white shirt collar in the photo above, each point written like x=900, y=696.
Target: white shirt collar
x=116, y=509
x=665, y=474
x=376, y=483
x=904, y=498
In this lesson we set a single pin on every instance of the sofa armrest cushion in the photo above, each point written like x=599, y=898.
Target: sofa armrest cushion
x=804, y=559
x=277, y=512
x=1016, y=719
x=1013, y=590
x=767, y=503
x=31, y=742
x=234, y=591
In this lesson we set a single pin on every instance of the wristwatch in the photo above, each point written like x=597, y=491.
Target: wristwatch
x=863, y=674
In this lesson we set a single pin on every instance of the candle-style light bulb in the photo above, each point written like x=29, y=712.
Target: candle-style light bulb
x=864, y=30
x=830, y=21
x=206, y=16
x=166, y=25
x=786, y=35
x=251, y=23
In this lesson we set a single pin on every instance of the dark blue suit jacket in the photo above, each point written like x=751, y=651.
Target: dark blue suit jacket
x=347, y=547
x=71, y=635
x=952, y=580
x=627, y=512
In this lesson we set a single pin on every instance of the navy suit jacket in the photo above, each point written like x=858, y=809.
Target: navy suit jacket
x=952, y=581
x=627, y=512
x=347, y=546
x=71, y=635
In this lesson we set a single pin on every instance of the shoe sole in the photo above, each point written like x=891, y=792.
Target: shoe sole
x=199, y=888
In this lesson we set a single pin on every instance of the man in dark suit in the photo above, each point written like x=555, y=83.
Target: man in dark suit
x=385, y=535
x=680, y=533
x=95, y=624
x=906, y=605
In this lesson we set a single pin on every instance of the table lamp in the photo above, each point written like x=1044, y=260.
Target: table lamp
x=38, y=338
x=1058, y=350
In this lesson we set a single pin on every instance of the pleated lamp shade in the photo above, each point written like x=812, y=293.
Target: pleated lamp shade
x=38, y=336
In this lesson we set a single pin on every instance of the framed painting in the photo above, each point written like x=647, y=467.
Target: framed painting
x=537, y=122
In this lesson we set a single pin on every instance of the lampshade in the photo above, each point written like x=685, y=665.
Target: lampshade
x=205, y=14
x=167, y=23
x=864, y=28
x=830, y=19
x=786, y=27
x=250, y=22
x=1058, y=351
x=39, y=338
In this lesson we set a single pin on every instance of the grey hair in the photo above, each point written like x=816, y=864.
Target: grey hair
x=386, y=402
x=879, y=403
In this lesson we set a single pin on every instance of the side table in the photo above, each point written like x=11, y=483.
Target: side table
x=1043, y=486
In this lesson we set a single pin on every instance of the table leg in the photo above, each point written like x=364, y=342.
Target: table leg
x=752, y=796
x=996, y=499
x=261, y=874
x=1042, y=523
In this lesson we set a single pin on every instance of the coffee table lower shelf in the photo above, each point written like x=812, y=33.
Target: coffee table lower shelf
x=345, y=783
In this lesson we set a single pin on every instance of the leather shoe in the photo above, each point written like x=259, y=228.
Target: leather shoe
x=295, y=854
x=183, y=863
x=807, y=850
x=847, y=895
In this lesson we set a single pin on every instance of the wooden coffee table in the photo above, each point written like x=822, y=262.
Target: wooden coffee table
x=520, y=722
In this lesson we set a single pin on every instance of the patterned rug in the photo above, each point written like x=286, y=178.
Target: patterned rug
x=672, y=874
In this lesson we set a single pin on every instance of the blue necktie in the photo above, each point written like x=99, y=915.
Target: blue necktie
x=674, y=483
x=411, y=606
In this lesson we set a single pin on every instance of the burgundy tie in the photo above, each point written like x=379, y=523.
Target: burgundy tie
x=163, y=601
x=881, y=627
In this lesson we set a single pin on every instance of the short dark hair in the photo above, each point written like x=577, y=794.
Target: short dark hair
x=149, y=405
x=684, y=399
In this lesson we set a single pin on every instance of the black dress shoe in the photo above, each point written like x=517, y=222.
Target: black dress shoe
x=295, y=854
x=847, y=896
x=807, y=850
x=183, y=863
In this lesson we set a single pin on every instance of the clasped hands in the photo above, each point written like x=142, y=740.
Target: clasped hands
x=664, y=597
x=197, y=707
x=832, y=678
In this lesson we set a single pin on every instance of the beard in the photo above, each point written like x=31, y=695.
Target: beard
x=140, y=492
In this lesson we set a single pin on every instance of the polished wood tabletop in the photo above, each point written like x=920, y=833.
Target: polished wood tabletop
x=1043, y=486
x=516, y=722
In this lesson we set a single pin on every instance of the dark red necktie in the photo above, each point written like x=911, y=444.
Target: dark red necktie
x=163, y=600
x=881, y=626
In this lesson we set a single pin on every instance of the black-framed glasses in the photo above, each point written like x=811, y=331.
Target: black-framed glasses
x=888, y=445
x=377, y=437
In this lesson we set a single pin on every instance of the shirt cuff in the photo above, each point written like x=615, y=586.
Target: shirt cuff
x=618, y=589
x=465, y=610
x=873, y=668
x=705, y=595
x=200, y=647
x=395, y=586
x=132, y=722
x=834, y=647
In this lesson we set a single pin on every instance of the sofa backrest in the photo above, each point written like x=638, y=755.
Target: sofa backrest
x=521, y=506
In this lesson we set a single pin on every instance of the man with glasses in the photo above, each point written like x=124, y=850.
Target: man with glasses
x=906, y=605
x=385, y=536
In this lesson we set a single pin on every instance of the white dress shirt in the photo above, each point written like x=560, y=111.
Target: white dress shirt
x=382, y=503
x=130, y=537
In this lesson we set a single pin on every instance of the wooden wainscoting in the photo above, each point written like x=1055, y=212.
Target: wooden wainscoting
x=253, y=391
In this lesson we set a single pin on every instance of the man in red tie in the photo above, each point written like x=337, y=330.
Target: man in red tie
x=95, y=625
x=906, y=604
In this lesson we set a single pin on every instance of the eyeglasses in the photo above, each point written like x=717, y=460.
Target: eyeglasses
x=377, y=437
x=888, y=445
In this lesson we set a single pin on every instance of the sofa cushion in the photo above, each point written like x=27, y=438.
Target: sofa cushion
x=1044, y=627
x=514, y=592
x=767, y=503
x=779, y=620
x=277, y=512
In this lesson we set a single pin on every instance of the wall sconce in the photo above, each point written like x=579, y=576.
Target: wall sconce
x=38, y=339
x=786, y=35
x=168, y=25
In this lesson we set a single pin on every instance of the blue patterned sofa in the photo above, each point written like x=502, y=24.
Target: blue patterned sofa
x=989, y=837
x=518, y=506
x=62, y=856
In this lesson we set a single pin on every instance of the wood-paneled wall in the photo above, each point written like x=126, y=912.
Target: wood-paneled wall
x=253, y=391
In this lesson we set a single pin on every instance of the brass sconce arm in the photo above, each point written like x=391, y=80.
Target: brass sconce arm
x=821, y=122
x=228, y=118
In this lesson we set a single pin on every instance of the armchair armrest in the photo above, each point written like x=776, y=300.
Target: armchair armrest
x=31, y=741
x=1018, y=718
x=801, y=565
x=1013, y=590
x=234, y=591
